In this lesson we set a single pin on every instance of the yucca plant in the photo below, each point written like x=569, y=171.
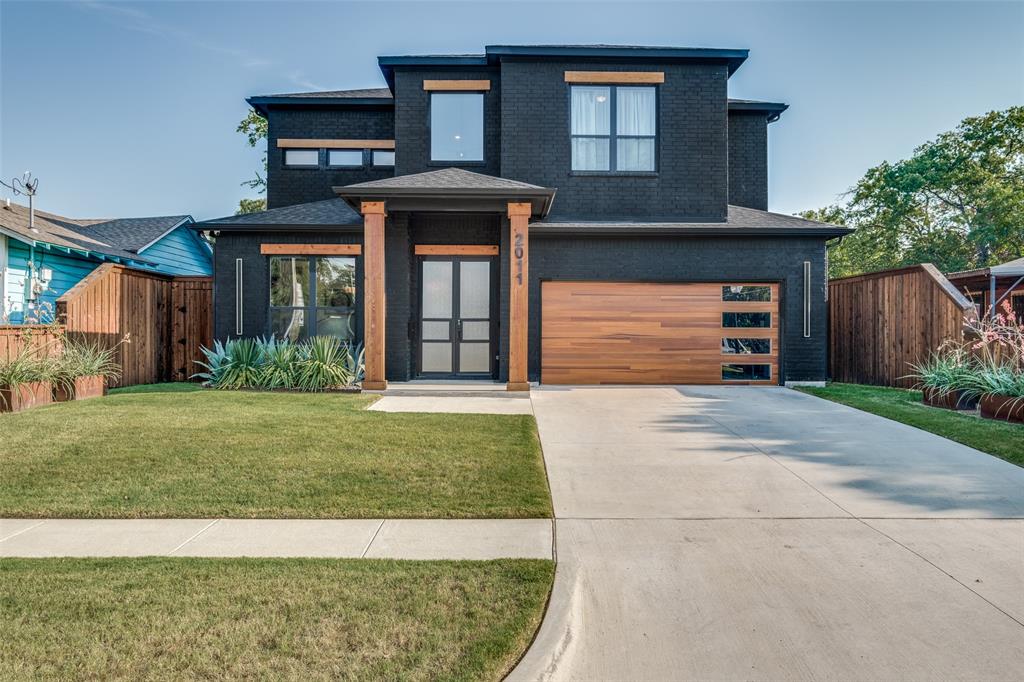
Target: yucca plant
x=949, y=369
x=280, y=364
x=323, y=363
x=79, y=359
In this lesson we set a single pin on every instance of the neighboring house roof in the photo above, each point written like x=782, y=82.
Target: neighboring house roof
x=740, y=221
x=68, y=235
x=136, y=234
x=448, y=184
x=1013, y=268
x=324, y=213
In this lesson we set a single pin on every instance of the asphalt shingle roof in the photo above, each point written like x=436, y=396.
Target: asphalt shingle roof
x=316, y=213
x=446, y=178
x=740, y=219
x=80, y=235
x=360, y=93
x=132, y=234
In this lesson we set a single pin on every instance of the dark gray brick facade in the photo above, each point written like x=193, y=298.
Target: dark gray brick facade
x=287, y=186
x=692, y=171
x=748, y=159
x=412, y=121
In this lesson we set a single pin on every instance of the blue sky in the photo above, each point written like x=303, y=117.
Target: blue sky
x=130, y=108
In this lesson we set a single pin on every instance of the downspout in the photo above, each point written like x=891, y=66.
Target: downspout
x=992, y=295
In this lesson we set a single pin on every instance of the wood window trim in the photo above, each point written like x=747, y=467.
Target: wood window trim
x=456, y=250
x=295, y=143
x=311, y=249
x=457, y=85
x=615, y=77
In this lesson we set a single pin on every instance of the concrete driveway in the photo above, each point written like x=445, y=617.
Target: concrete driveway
x=759, y=533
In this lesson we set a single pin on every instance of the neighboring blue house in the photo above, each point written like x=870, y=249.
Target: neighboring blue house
x=38, y=263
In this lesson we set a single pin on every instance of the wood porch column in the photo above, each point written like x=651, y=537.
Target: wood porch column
x=373, y=294
x=519, y=291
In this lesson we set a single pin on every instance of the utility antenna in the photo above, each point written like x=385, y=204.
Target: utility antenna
x=26, y=185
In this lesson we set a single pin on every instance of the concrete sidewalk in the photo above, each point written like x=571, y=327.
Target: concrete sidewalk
x=349, y=538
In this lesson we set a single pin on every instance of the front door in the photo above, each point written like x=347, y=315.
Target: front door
x=457, y=317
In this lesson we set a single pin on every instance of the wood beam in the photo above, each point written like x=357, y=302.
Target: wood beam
x=455, y=250
x=647, y=77
x=311, y=249
x=296, y=143
x=373, y=294
x=474, y=86
x=519, y=295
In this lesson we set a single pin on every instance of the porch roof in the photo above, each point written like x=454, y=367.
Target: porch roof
x=1013, y=268
x=448, y=189
x=326, y=213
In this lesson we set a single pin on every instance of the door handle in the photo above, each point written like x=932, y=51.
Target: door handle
x=458, y=330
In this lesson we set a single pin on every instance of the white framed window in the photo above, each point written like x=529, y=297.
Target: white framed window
x=383, y=157
x=345, y=158
x=307, y=158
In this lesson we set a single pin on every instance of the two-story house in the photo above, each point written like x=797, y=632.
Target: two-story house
x=562, y=214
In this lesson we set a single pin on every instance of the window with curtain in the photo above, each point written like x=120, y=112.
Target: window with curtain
x=623, y=142
x=312, y=296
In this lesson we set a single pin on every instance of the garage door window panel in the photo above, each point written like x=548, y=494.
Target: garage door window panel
x=736, y=292
x=747, y=346
x=744, y=372
x=755, y=320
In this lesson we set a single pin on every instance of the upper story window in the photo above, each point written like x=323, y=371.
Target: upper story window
x=456, y=126
x=383, y=158
x=623, y=142
x=345, y=158
x=302, y=157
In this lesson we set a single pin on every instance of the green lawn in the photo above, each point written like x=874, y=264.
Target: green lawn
x=994, y=437
x=177, y=451
x=296, y=619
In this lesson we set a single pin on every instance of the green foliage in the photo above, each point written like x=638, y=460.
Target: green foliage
x=949, y=369
x=316, y=364
x=251, y=206
x=254, y=127
x=25, y=368
x=80, y=359
x=957, y=202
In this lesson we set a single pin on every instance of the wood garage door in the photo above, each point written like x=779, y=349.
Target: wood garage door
x=648, y=333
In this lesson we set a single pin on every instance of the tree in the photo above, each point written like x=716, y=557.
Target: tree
x=254, y=127
x=957, y=202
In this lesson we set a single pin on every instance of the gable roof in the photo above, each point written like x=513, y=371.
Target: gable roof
x=71, y=236
x=136, y=234
x=445, y=178
x=325, y=213
x=740, y=221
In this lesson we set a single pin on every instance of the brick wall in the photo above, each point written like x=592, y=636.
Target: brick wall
x=748, y=159
x=692, y=173
x=287, y=186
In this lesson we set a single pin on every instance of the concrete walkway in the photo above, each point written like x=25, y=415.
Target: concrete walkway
x=369, y=538
x=757, y=533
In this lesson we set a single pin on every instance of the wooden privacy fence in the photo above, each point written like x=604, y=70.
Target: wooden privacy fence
x=165, y=319
x=14, y=338
x=883, y=322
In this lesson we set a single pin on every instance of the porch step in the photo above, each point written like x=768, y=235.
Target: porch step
x=458, y=389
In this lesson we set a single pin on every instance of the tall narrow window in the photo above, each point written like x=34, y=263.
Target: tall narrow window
x=312, y=297
x=807, y=299
x=456, y=126
x=238, y=296
x=625, y=142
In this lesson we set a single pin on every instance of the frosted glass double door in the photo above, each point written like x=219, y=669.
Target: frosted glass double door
x=457, y=310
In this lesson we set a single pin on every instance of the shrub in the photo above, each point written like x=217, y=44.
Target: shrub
x=948, y=369
x=80, y=359
x=316, y=364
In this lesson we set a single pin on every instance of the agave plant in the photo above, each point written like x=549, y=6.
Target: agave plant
x=233, y=365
